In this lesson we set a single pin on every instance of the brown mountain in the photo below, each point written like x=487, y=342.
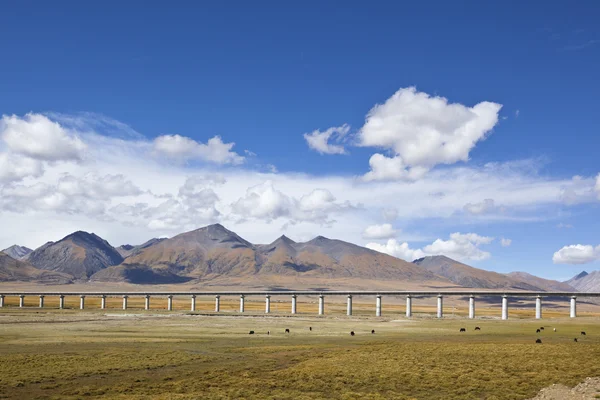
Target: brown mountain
x=215, y=252
x=547, y=285
x=16, y=270
x=467, y=276
x=79, y=254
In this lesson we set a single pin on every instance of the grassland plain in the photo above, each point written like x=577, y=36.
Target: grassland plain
x=115, y=354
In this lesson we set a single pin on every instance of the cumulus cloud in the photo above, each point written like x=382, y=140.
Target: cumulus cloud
x=37, y=137
x=15, y=167
x=460, y=246
x=576, y=254
x=383, y=231
x=422, y=131
x=505, y=242
x=184, y=148
x=320, y=141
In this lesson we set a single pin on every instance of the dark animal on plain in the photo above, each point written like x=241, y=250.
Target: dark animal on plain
x=477, y=328
x=582, y=333
x=251, y=333
x=352, y=333
x=310, y=328
x=287, y=331
x=463, y=330
x=542, y=328
x=372, y=330
x=537, y=331
x=575, y=339
x=268, y=332
x=538, y=341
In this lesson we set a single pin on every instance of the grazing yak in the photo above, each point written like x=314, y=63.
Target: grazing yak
x=268, y=332
x=287, y=330
x=582, y=333
x=463, y=330
x=477, y=328
x=251, y=333
x=372, y=331
x=537, y=331
x=542, y=328
x=310, y=328
x=575, y=339
x=352, y=333
x=538, y=341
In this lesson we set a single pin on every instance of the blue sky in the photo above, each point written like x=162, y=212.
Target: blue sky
x=261, y=76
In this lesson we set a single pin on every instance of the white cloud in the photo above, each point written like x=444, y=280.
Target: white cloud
x=565, y=226
x=263, y=201
x=597, y=186
x=184, y=148
x=16, y=167
x=461, y=247
x=422, y=132
x=319, y=141
x=486, y=206
x=505, y=242
x=399, y=250
x=37, y=137
x=576, y=254
x=383, y=231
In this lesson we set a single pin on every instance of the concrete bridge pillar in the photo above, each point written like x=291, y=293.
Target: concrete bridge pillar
x=409, y=306
x=103, y=302
x=1, y=300
x=41, y=301
x=81, y=302
x=147, y=302
x=193, y=306
x=217, y=303
x=267, y=304
x=21, y=300
x=125, y=302
x=472, y=307
x=294, y=304
x=505, y=307
x=321, y=305
x=538, y=307
x=378, y=306
x=573, y=311
x=242, y=303
x=440, y=306
x=170, y=302
x=349, y=305
x=61, y=301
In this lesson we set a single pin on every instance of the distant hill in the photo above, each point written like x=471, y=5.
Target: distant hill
x=17, y=252
x=79, y=254
x=214, y=251
x=465, y=275
x=545, y=284
x=16, y=270
x=127, y=250
x=585, y=282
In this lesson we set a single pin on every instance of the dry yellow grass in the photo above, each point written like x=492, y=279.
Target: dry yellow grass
x=113, y=354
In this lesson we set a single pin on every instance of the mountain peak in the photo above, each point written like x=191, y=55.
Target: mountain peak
x=582, y=274
x=17, y=252
x=285, y=239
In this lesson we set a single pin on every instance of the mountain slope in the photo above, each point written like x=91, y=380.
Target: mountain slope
x=468, y=276
x=214, y=251
x=16, y=270
x=545, y=284
x=79, y=254
x=585, y=282
x=17, y=252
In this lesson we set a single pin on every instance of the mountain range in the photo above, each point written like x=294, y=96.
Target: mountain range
x=215, y=254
